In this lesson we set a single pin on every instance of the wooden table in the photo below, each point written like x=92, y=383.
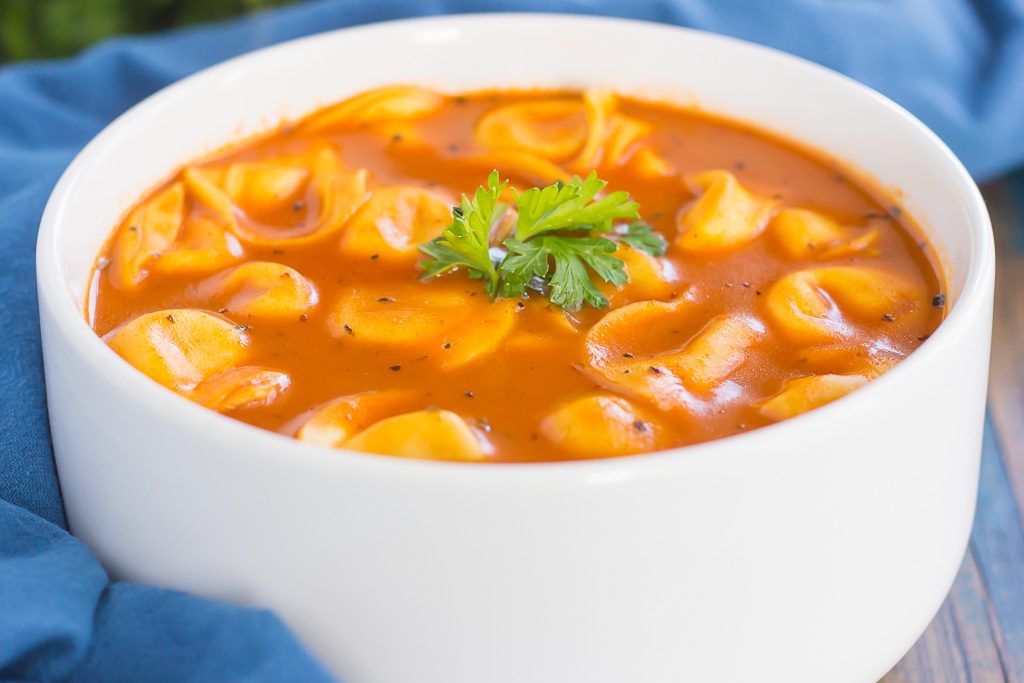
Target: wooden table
x=978, y=635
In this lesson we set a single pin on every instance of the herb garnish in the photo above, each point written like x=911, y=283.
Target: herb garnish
x=557, y=242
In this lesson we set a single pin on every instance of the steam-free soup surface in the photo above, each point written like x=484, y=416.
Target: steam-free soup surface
x=280, y=281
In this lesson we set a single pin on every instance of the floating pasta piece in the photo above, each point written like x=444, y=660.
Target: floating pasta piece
x=203, y=245
x=650, y=277
x=480, y=335
x=239, y=388
x=805, y=234
x=821, y=305
x=284, y=203
x=265, y=188
x=553, y=129
x=599, y=104
x=638, y=350
x=426, y=434
x=806, y=393
x=180, y=347
x=262, y=289
x=334, y=422
x=716, y=351
x=619, y=348
x=389, y=103
x=611, y=136
x=602, y=425
x=871, y=359
x=724, y=217
x=460, y=327
x=149, y=229
x=394, y=222
x=649, y=164
x=518, y=164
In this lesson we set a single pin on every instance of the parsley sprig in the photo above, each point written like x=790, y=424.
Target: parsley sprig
x=558, y=241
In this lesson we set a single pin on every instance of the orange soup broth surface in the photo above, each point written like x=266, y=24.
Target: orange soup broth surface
x=508, y=394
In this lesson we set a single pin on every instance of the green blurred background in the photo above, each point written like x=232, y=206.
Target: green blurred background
x=39, y=29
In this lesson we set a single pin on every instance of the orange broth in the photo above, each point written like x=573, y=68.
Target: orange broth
x=506, y=395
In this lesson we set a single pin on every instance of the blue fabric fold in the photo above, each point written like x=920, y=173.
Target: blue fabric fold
x=957, y=64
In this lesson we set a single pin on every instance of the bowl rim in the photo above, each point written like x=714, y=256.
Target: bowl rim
x=55, y=303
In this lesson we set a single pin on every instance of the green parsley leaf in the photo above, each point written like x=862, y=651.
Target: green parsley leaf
x=466, y=242
x=557, y=245
x=571, y=206
x=641, y=235
x=570, y=281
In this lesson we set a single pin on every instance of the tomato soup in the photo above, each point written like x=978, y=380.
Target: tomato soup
x=342, y=280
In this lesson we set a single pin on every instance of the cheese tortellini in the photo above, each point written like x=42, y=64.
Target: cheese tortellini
x=393, y=223
x=806, y=234
x=806, y=393
x=457, y=327
x=725, y=215
x=180, y=348
x=605, y=425
x=820, y=305
x=285, y=202
x=637, y=349
x=261, y=289
x=429, y=434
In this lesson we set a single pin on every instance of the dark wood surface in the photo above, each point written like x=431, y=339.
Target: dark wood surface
x=978, y=635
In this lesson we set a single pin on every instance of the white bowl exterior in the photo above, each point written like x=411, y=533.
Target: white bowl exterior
x=814, y=550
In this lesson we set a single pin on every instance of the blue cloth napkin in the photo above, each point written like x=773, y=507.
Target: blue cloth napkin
x=957, y=64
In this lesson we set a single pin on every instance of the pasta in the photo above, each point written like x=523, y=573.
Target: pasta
x=514, y=276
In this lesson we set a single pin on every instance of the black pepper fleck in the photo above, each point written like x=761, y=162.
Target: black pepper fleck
x=640, y=426
x=170, y=317
x=394, y=368
x=303, y=317
x=468, y=394
x=654, y=370
x=447, y=345
x=939, y=300
x=397, y=137
x=386, y=299
x=348, y=329
x=888, y=317
x=627, y=355
x=298, y=205
x=374, y=257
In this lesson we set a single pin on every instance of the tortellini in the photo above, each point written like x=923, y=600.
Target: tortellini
x=610, y=134
x=650, y=277
x=428, y=434
x=802, y=394
x=180, y=348
x=287, y=202
x=392, y=224
x=603, y=425
x=202, y=246
x=635, y=349
x=240, y=388
x=724, y=217
x=458, y=327
x=335, y=422
x=261, y=289
x=392, y=103
x=822, y=305
x=554, y=129
x=805, y=234
x=149, y=229
x=523, y=138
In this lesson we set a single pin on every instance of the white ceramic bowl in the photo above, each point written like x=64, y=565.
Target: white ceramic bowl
x=814, y=550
